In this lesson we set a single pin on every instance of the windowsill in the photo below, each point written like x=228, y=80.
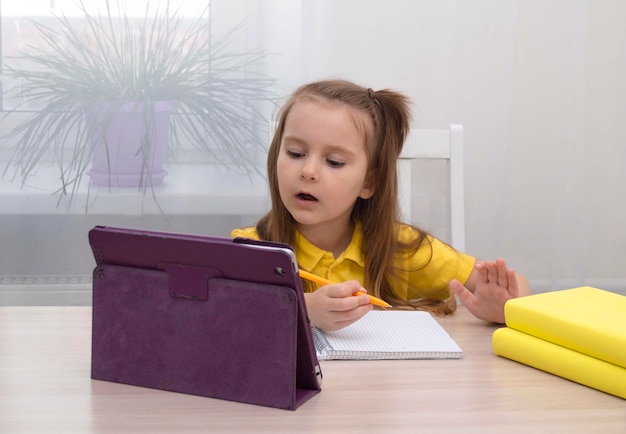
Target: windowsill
x=188, y=189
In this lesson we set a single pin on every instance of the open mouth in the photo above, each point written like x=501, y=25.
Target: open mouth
x=307, y=197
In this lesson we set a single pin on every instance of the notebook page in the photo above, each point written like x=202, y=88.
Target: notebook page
x=389, y=335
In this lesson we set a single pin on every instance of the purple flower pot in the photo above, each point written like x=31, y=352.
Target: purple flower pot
x=130, y=152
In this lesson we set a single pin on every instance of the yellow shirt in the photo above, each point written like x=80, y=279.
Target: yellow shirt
x=419, y=277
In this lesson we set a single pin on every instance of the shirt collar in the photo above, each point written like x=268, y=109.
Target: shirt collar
x=310, y=255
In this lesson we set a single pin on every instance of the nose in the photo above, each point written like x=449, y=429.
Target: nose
x=309, y=171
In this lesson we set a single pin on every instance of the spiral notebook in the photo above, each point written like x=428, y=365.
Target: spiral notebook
x=381, y=335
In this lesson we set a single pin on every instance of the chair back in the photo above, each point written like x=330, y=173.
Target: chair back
x=441, y=145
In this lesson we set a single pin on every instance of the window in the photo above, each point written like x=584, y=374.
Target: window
x=21, y=34
x=18, y=31
x=43, y=234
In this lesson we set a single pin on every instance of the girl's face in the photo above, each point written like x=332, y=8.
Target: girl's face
x=322, y=163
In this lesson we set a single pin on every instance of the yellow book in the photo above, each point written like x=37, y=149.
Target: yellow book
x=587, y=320
x=561, y=361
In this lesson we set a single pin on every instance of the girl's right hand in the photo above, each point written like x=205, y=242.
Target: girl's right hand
x=333, y=307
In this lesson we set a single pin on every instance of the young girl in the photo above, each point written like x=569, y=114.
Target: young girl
x=332, y=176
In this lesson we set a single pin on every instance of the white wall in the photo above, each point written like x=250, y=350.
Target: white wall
x=539, y=86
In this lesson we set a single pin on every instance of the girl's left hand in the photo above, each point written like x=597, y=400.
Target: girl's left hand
x=493, y=284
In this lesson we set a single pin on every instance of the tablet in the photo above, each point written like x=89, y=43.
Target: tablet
x=210, y=316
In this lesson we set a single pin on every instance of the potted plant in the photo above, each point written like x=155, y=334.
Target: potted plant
x=156, y=76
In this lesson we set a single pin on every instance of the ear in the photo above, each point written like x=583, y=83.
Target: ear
x=368, y=189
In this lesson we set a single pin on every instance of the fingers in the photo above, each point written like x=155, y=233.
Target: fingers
x=344, y=319
x=333, y=306
x=503, y=280
x=492, y=272
x=464, y=294
x=513, y=285
x=483, y=272
x=342, y=295
x=495, y=284
x=495, y=273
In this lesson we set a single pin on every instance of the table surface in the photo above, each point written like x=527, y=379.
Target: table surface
x=45, y=387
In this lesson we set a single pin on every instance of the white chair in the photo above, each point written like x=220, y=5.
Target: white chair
x=443, y=145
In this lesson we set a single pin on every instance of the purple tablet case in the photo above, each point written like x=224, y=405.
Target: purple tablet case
x=205, y=316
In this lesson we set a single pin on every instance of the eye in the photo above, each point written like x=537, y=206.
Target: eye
x=294, y=154
x=334, y=163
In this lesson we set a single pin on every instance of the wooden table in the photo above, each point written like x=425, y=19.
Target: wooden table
x=45, y=387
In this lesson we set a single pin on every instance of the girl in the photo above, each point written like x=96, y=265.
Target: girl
x=332, y=176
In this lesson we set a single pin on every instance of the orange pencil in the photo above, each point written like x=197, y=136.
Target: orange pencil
x=317, y=279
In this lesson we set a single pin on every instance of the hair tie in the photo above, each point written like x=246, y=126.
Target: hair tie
x=371, y=93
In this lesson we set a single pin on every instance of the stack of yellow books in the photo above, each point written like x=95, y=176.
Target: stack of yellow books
x=578, y=334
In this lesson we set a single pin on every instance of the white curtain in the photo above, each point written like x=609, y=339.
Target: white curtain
x=538, y=85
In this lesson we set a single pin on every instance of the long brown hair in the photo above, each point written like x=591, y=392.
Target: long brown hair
x=379, y=215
